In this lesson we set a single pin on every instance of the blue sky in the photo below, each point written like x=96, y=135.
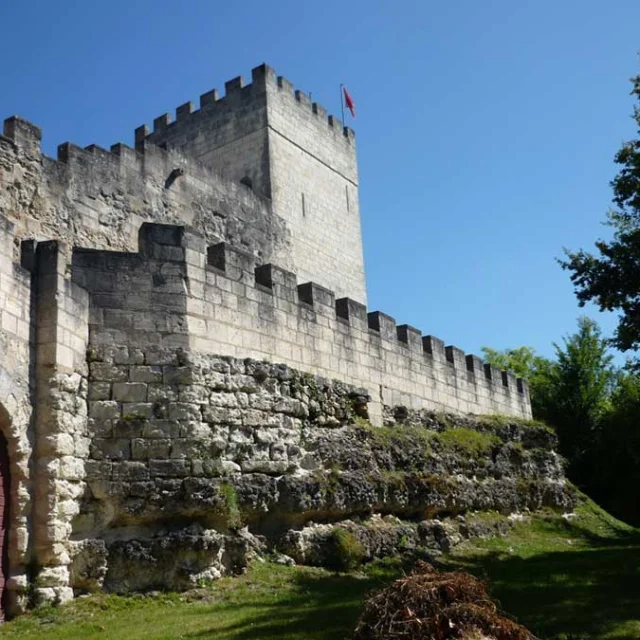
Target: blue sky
x=485, y=130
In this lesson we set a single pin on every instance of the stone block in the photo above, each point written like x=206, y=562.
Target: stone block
x=352, y=311
x=71, y=468
x=410, y=337
x=130, y=471
x=144, y=448
x=383, y=324
x=145, y=373
x=233, y=262
x=128, y=427
x=104, y=409
x=100, y=391
x=139, y=410
x=281, y=283
x=169, y=468
x=97, y=469
x=184, y=411
x=456, y=357
x=177, y=375
x=434, y=347
x=161, y=429
x=106, y=372
x=111, y=449
x=322, y=300
x=129, y=391
x=476, y=366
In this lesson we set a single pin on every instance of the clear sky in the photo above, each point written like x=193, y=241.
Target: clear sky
x=485, y=130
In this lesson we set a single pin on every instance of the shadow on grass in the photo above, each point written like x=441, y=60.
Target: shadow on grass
x=587, y=593
x=592, y=592
x=319, y=608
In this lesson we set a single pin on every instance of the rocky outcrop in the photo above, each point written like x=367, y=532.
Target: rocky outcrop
x=379, y=536
x=187, y=451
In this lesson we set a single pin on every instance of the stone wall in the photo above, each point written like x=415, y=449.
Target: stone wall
x=16, y=413
x=314, y=178
x=61, y=442
x=291, y=151
x=149, y=454
x=187, y=449
x=218, y=302
x=95, y=198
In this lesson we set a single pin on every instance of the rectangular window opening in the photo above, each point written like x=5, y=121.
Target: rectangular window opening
x=304, y=208
x=346, y=191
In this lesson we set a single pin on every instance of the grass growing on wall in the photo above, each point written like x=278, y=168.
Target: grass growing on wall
x=575, y=579
x=469, y=442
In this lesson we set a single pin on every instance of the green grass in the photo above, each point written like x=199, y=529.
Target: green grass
x=578, y=579
x=269, y=602
x=564, y=579
x=470, y=442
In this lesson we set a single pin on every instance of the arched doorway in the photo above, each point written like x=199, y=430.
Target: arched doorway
x=4, y=522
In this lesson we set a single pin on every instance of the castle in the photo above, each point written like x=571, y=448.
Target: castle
x=174, y=314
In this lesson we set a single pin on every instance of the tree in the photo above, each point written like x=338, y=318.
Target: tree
x=581, y=382
x=616, y=475
x=611, y=279
x=571, y=393
x=526, y=364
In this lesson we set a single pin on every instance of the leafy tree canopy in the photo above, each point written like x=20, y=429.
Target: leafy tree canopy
x=611, y=278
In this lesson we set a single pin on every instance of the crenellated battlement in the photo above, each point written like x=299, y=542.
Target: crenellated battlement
x=264, y=81
x=234, y=305
x=273, y=138
x=100, y=197
x=26, y=137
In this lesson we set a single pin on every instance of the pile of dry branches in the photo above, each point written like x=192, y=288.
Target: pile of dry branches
x=429, y=605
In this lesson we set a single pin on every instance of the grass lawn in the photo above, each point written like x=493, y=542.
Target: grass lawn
x=563, y=579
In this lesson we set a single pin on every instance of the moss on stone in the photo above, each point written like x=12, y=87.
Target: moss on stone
x=344, y=551
x=467, y=441
x=232, y=507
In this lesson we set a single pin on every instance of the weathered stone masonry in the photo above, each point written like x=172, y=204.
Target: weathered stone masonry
x=215, y=300
x=165, y=377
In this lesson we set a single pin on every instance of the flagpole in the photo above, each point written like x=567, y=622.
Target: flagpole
x=342, y=103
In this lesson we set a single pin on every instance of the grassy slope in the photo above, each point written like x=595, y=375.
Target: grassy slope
x=573, y=579
x=578, y=578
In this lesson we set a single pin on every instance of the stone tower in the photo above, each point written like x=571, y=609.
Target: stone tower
x=273, y=139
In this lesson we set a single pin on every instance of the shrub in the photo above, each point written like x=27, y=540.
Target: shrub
x=344, y=552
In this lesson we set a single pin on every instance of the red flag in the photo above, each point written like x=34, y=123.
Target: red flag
x=349, y=102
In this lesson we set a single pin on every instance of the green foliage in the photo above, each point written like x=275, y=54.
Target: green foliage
x=616, y=475
x=594, y=410
x=232, y=508
x=497, y=421
x=611, y=279
x=344, y=550
x=572, y=392
x=361, y=421
x=523, y=361
x=530, y=366
x=581, y=383
x=401, y=435
x=471, y=443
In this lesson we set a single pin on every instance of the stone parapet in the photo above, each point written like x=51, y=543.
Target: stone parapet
x=216, y=300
